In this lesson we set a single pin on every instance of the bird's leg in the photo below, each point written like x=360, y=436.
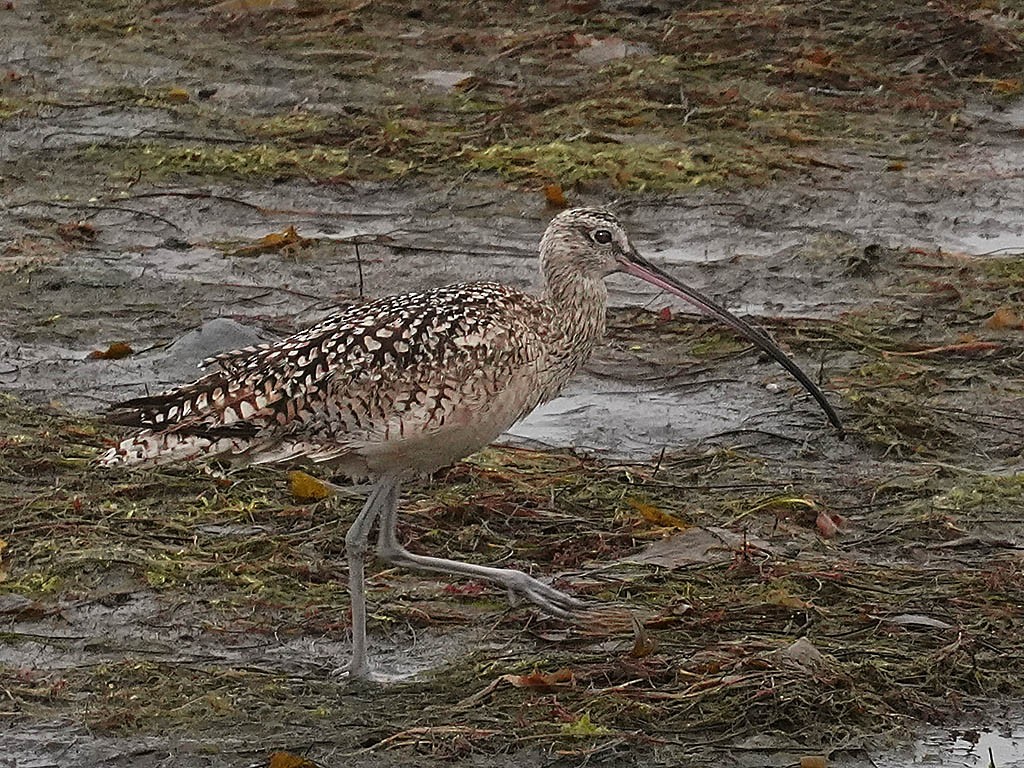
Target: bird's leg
x=356, y=544
x=390, y=550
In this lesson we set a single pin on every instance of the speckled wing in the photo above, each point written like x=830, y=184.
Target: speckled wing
x=369, y=387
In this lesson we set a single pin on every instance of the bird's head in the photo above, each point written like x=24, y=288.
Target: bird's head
x=590, y=244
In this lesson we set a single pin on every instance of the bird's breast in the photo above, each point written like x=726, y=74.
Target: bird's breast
x=450, y=425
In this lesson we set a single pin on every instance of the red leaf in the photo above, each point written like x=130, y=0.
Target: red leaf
x=828, y=524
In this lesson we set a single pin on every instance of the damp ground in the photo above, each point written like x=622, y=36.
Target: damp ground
x=177, y=181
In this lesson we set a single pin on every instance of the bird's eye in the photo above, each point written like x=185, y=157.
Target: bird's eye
x=601, y=236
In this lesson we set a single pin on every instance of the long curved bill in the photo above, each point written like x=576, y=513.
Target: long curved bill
x=634, y=264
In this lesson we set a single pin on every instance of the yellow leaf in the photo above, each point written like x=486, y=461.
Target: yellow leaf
x=177, y=96
x=784, y=599
x=307, y=488
x=652, y=514
x=288, y=760
x=584, y=728
x=1008, y=87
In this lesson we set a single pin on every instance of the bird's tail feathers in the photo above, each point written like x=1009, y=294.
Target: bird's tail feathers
x=155, y=448
x=205, y=419
x=160, y=411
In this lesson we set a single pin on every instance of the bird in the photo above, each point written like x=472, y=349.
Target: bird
x=408, y=384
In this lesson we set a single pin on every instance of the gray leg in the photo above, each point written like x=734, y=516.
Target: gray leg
x=356, y=544
x=390, y=550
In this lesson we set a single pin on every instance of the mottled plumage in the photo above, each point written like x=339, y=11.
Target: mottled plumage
x=407, y=384
x=370, y=385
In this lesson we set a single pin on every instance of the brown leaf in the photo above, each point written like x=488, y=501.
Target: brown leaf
x=115, y=351
x=813, y=761
x=1003, y=318
x=579, y=40
x=643, y=644
x=77, y=232
x=555, y=196
x=275, y=241
x=540, y=681
x=820, y=56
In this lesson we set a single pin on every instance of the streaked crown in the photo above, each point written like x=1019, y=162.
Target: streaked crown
x=582, y=242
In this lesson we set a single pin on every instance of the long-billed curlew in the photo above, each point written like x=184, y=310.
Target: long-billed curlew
x=411, y=383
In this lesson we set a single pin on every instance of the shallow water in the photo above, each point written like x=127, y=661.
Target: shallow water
x=992, y=747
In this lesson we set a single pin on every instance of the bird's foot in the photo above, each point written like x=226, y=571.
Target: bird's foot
x=543, y=596
x=361, y=676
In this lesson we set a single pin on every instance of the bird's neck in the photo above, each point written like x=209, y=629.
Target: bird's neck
x=578, y=306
